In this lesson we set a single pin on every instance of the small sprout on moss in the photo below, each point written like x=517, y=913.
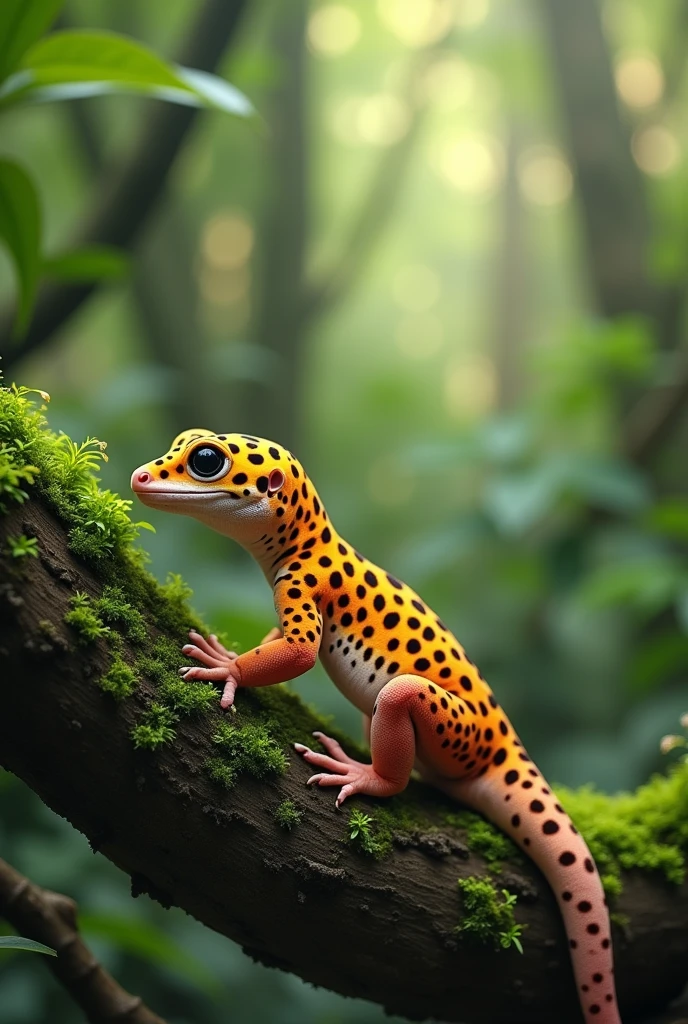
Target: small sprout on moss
x=15, y=473
x=489, y=915
x=361, y=833
x=119, y=680
x=84, y=620
x=156, y=728
x=113, y=608
x=247, y=748
x=287, y=815
x=22, y=546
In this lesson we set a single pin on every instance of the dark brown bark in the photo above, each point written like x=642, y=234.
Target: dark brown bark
x=304, y=901
x=126, y=201
x=51, y=918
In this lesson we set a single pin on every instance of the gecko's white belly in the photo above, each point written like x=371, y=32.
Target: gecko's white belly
x=346, y=666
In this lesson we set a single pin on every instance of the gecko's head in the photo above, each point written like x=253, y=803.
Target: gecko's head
x=235, y=483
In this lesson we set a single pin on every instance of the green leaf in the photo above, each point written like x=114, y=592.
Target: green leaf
x=16, y=942
x=74, y=64
x=90, y=263
x=145, y=940
x=22, y=22
x=20, y=231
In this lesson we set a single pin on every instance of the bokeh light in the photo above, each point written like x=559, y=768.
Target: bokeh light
x=416, y=288
x=333, y=30
x=450, y=83
x=639, y=79
x=417, y=23
x=471, y=13
x=656, y=150
x=419, y=336
x=544, y=176
x=469, y=386
x=472, y=164
x=226, y=240
x=382, y=119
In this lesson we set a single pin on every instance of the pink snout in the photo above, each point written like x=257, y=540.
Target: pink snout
x=139, y=479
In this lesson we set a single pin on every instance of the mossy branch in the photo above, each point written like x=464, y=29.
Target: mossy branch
x=96, y=720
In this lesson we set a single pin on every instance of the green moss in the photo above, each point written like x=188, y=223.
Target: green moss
x=647, y=830
x=361, y=833
x=484, y=838
x=84, y=620
x=48, y=629
x=287, y=815
x=190, y=698
x=488, y=914
x=248, y=748
x=120, y=680
x=156, y=728
x=113, y=608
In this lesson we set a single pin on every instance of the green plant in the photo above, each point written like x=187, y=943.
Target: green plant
x=361, y=833
x=22, y=546
x=245, y=748
x=287, y=815
x=489, y=914
x=120, y=680
x=84, y=619
x=68, y=65
x=156, y=728
x=669, y=743
x=16, y=942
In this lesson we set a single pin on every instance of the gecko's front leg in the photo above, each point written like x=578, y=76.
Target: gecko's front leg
x=220, y=664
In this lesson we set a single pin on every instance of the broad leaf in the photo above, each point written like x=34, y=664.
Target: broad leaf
x=16, y=942
x=74, y=64
x=90, y=263
x=20, y=231
x=22, y=22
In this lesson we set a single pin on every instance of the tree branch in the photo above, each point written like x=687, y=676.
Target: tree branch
x=131, y=195
x=304, y=901
x=51, y=918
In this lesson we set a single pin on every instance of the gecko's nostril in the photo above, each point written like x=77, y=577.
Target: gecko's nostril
x=143, y=478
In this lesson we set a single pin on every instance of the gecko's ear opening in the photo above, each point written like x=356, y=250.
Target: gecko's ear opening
x=275, y=482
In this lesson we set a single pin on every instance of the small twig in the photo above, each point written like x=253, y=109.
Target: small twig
x=51, y=918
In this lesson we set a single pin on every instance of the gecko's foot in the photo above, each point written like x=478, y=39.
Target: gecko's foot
x=351, y=775
x=218, y=662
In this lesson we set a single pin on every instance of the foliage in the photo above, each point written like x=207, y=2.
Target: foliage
x=671, y=742
x=288, y=815
x=488, y=914
x=120, y=680
x=22, y=546
x=16, y=942
x=82, y=618
x=155, y=730
x=70, y=65
x=361, y=833
x=248, y=748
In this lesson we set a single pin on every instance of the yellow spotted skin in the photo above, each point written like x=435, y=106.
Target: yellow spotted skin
x=394, y=658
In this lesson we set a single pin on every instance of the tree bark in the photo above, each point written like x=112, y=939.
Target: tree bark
x=305, y=901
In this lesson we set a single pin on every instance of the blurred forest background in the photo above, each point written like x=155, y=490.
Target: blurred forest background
x=448, y=265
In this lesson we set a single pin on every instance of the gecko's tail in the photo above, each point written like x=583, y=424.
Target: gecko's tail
x=517, y=799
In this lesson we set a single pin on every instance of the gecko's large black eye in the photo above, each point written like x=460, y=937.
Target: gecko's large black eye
x=207, y=463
